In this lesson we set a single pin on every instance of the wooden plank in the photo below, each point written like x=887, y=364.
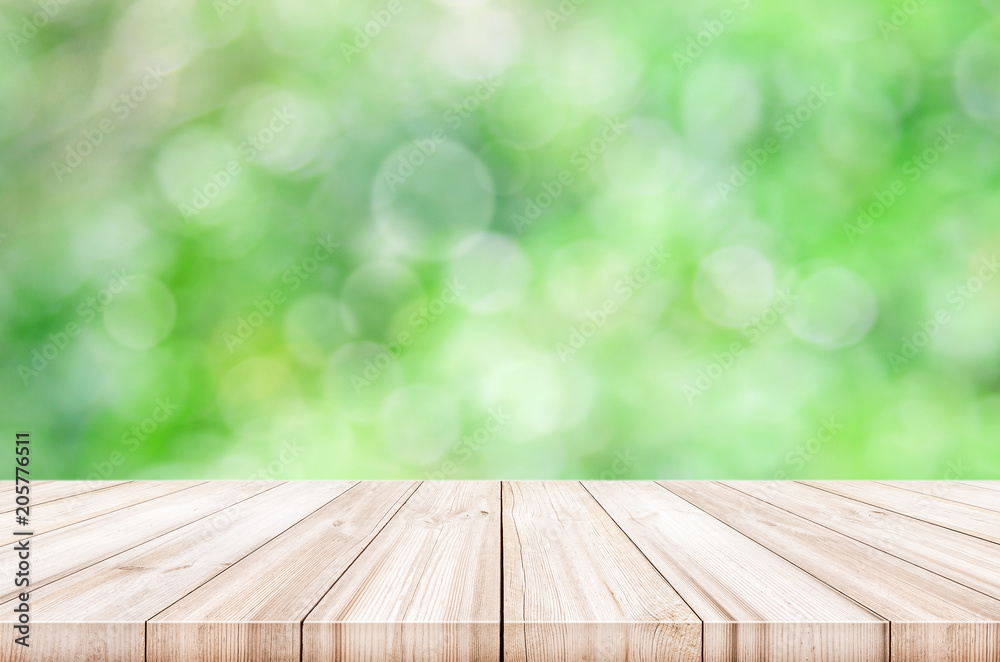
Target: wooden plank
x=77, y=546
x=754, y=604
x=44, y=492
x=7, y=486
x=7, y=492
x=960, y=557
x=254, y=609
x=576, y=587
x=974, y=521
x=933, y=618
x=988, y=484
x=236, y=572
x=967, y=493
x=107, y=604
x=427, y=588
x=70, y=510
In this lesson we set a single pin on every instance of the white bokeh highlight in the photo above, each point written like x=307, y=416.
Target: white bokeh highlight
x=833, y=307
x=492, y=271
x=142, y=315
x=429, y=196
x=977, y=73
x=733, y=285
x=419, y=423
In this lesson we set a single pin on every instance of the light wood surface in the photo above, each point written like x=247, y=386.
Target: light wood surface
x=85, y=543
x=960, y=557
x=235, y=571
x=428, y=587
x=934, y=619
x=988, y=484
x=754, y=604
x=576, y=587
x=132, y=587
x=236, y=616
x=969, y=494
x=59, y=513
x=45, y=491
x=974, y=521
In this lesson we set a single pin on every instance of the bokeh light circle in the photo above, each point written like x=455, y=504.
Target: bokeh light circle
x=721, y=106
x=113, y=233
x=313, y=327
x=733, y=285
x=198, y=170
x=253, y=394
x=645, y=160
x=831, y=308
x=281, y=129
x=431, y=195
x=358, y=378
x=374, y=293
x=582, y=275
x=595, y=70
x=977, y=80
x=856, y=20
x=491, y=271
x=522, y=111
x=477, y=42
x=142, y=314
x=537, y=397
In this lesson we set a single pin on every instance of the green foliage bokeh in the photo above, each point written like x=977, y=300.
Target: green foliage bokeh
x=508, y=239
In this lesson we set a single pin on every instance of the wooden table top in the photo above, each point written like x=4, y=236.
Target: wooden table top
x=238, y=571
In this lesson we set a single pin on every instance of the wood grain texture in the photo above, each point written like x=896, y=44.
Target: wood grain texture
x=236, y=571
x=754, y=604
x=45, y=491
x=971, y=495
x=576, y=587
x=427, y=588
x=960, y=557
x=933, y=618
x=85, y=543
x=120, y=594
x=81, y=642
x=253, y=610
x=974, y=521
x=57, y=514
x=7, y=488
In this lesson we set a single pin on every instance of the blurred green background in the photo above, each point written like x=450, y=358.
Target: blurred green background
x=473, y=239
